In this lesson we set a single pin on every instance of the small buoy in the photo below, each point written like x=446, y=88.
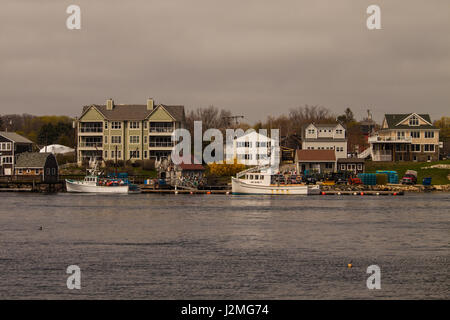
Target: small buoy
x=176, y=192
x=209, y=192
x=339, y=193
x=362, y=193
x=323, y=193
x=354, y=193
x=395, y=193
x=191, y=192
x=228, y=192
x=349, y=265
x=377, y=193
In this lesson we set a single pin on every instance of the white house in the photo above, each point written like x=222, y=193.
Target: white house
x=325, y=137
x=254, y=149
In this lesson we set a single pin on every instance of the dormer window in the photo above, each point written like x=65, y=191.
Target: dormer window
x=413, y=121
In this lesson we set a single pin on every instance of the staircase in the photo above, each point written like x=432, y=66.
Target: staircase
x=365, y=153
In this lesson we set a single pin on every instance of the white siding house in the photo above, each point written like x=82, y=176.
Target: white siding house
x=325, y=137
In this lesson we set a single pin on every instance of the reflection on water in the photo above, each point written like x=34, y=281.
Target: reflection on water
x=216, y=246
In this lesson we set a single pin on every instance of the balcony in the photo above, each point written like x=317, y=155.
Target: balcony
x=161, y=129
x=90, y=145
x=389, y=139
x=382, y=155
x=161, y=144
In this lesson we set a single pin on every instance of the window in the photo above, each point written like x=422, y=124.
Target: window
x=145, y=124
x=106, y=139
x=116, y=125
x=5, y=146
x=119, y=154
x=7, y=160
x=415, y=147
x=429, y=134
x=428, y=147
x=106, y=124
x=134, y=154
x=145, y=154
x=415, y=134
x=311, y=131
x=328, y=165
x=106, y=154
x=134, y=139
x=134, y=125
x=359, y=166
x=20, y=171
x=400, y=135
x=116, y=139
x=342, y=166
x=145, y=139
x=53, y=171
x=413, y=121
x=36, y=171
x=339, y=131
x=414, y=158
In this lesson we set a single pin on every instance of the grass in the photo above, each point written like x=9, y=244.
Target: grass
x=438, y=176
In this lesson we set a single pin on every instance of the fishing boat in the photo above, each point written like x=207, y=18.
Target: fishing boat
x=93, y=183
x=261, y=180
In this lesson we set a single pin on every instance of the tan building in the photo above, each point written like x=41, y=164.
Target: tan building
x=127, y=132
x=405, y=137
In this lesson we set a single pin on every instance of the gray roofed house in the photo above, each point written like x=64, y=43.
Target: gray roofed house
x=393, y=121
x=37, y=164
x=15, y=137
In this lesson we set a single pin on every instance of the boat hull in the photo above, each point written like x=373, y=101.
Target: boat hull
x=239, y=187
x=83, y=188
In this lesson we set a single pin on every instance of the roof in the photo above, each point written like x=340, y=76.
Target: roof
x=192, y=166
x=15, y=137
x=315, y=155
x=350, y=160
x=135, y=111
x=393, y=119
x=32, y=159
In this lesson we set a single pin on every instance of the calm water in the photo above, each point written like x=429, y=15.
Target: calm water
x=216, y=246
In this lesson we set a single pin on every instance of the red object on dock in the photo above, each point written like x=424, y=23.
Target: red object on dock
x=362, y=193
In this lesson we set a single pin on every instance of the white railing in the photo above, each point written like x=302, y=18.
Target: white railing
x=365, y=153
x=90, y=145
x=389, y=139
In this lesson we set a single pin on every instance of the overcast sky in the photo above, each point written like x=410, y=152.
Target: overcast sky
x=252, y=57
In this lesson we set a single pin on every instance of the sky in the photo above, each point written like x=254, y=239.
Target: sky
x=253, y=57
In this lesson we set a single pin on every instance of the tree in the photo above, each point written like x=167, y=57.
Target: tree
x=1, y=123
x=347, y=117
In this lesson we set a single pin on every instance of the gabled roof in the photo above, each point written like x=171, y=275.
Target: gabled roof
x=315, y=155
x=32, y=159
x=15, y=137
x=393, y=121
x=136, y=112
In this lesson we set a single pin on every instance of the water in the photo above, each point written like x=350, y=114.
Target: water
x=223, y=247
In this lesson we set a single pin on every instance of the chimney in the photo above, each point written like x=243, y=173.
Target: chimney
x=109, y=104
x=150, y=104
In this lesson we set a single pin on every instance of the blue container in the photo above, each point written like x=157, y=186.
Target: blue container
x=369, y=179
x=392, y=175
x=426, y=181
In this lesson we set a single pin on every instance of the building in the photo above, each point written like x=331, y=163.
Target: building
x=127, y=132
x=319, y=161
x=405, y=137
x=40, y=165
x=253, y=149
x=355, y=165
x=325, y=137
x=11, y=145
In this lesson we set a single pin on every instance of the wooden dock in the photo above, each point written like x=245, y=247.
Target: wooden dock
x=362, y=193
x=183, y=191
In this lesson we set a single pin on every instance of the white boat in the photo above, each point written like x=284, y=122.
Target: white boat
x=254, y=181
x=93, y=184
x=90, y=184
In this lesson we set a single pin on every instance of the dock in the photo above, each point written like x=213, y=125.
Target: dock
x=362, y=193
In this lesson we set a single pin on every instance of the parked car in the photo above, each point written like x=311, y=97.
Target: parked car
x=410, y=177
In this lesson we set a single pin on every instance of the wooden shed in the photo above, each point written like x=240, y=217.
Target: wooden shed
x=39, y=165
